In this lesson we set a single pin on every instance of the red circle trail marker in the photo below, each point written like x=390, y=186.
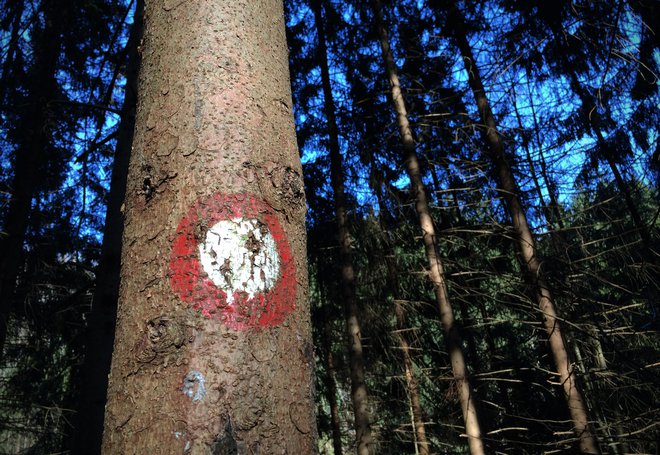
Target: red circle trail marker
x=231, y=261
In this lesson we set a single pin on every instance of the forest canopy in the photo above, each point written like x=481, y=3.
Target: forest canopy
x=482, y=190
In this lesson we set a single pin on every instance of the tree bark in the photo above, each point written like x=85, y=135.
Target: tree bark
x=213, y=350
x=30, y=156
x=103, y=313
x=436, y=270
x=508, y=189
x=359, y=392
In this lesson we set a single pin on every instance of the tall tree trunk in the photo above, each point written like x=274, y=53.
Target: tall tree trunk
x=550, y=213
x=646, y=81
x=547, y=214
x=213, y=350
x=421, y=441
x=611, y=441
x=14, y=13
x=100, y=335
x=594, y=121
x=30, y=156
x=508, y=189
x=550, y=186
x=331, y=386
x=436, y=270
x=359, y=393
x=412, y=384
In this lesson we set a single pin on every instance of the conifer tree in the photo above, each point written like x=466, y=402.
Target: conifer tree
x=213, y=350
x=355, y=352
x=88, y=431
x=436, y=269
x=576, y=402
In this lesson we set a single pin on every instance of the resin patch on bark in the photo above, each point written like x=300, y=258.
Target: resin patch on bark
x=231, y=260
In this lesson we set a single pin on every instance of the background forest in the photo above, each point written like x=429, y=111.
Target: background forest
x=482, y=184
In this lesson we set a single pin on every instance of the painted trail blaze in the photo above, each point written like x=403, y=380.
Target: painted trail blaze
x=231, y=261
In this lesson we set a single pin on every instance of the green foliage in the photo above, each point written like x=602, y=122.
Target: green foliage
x=61, y=78
x=603, y=276
x=574, y=92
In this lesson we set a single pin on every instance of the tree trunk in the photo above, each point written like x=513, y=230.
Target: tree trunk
x=412, y=384
x=213, y=350
x=14, y=13
x=421, y=442
x=593, y=120
x=103, y=313
x=331, y=387
x=30, y=156
x=551, y=187
x=646, y=81
x=436, y=270
x=359, y=393
x=547, y=214
x=508, y=189
x=610, y=441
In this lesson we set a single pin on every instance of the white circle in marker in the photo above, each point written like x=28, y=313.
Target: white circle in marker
x=240, y=255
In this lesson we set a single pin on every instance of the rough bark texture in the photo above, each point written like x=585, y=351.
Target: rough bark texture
x=29, y=156
x=202, y=365
x=103, y=314
x=509, y=190
x=359, y=393
x=436, y=270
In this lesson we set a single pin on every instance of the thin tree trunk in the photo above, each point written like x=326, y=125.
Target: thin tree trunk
x=358, y=386
x=532, y=168
x=419, y=428
x=100, y=336
x=551, y=216
x=549, y=185
x=646, y=81
x=508, y=189
x=30, y=156
x=436, y=271
x=618, y=444
x=609, y=441
x=592, y=118
x=15, y=12
x=331, y=387
x=642, y=228
x=421, y=442
x=213, y=350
